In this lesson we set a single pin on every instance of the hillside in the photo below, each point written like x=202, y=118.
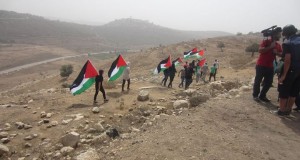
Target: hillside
x=216, y=120
x=120, y=34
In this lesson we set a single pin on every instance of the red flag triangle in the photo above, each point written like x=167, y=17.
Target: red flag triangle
x=121, y=62
x=90, y=70
x=202, y=62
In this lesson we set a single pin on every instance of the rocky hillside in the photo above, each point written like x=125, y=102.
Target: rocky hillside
x=40, y=119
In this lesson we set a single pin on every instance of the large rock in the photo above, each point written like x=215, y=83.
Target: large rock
x=3, y=150
x=90, y=154
x=196, y=100
x=143, y=95
x=3, y=135
x=180, y=104
x=190, y=92
x=70, y=139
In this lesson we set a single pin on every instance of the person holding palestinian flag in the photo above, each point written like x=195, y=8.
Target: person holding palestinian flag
x=164, y=66
x=99, y=86
x=117, y=68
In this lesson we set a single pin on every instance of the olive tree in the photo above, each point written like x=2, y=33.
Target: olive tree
x=252, y=48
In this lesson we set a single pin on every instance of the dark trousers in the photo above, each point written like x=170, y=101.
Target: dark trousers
x=97, y=91
x=123, y=84
x=171, y=80
x=188, y=82
x=212, y=75
x=265, y=73
x=164, y=81
x=181, y=83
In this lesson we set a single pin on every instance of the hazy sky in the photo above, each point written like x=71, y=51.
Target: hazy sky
x=201, y=15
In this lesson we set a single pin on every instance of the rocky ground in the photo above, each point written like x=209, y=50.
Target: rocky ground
x=39, y=119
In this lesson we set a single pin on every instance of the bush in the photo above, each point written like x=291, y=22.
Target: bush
x=252, y=48
x=221, y=45
x=66, y=70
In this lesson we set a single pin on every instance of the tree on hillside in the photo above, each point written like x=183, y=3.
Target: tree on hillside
x=66, y=70
x=252, y=48
x=239, y=33
x=221, y=45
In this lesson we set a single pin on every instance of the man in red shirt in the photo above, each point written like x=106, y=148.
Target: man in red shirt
x=268, y=50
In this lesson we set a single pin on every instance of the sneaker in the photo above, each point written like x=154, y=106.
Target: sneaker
x=283, y=113
x=256, y=99
x=297, y=109
x=95, y=102
x=264, y=99
x=106, y=100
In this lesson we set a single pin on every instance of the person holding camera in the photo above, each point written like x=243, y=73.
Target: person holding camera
x=268, y=50
x=289, y=78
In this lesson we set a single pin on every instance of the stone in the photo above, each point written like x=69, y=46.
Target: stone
x=27, y=145
x=46, y=120
x=3, y=135
x=28, y=138
x=27, y=126
x=90, y=154
x=5, y=140
x=4, y=150
x=196, y=100
x=20, y=125
x=43, y=114
x=180, y=104
x=143, y=95
x=48, y=115
x=66, y=121
x=70, y=139
x=96, y=110
x=190, y=92
x=54, y=123
x=66, y=150
x=112, y=133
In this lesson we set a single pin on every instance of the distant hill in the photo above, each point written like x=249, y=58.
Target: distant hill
x=119, y=34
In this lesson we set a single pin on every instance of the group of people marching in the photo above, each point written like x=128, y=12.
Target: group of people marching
x=188, y=71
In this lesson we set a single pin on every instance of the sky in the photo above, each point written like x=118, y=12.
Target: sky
x=197, y=15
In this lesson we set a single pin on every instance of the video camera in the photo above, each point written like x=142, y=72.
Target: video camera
x=269, y=32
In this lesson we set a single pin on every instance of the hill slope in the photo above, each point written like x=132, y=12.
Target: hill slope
x=120, y=34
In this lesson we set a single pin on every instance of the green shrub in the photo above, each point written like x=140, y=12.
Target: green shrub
x=66, y=70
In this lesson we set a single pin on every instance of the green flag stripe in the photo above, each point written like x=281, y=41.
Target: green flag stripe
x=84, y=85
x=117, y=74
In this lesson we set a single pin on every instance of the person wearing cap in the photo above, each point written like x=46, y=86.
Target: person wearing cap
x=126, y=77
x=289, y=78
x=268, y=50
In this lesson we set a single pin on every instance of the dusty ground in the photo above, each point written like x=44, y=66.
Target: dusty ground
x=224, y=127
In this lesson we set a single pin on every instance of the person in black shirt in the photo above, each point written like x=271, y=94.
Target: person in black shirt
x=99, y=86
x=166, y=76
x=189, y=71
x=172, y=72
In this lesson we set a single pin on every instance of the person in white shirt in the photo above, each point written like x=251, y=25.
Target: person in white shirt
x=126, y=77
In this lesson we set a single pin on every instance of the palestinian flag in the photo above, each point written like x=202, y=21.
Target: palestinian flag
x=199, y=54
x=190, y=53
x=177, y=61
x=85, y=79
x=164, y=64
x=117, y=68
x=202, y=62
